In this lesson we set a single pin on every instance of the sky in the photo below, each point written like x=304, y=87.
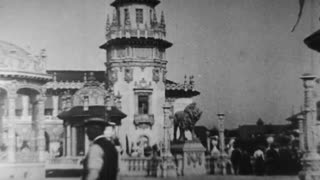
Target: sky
x=245, y=60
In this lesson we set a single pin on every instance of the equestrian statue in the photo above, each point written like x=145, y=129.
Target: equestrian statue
x=185, y=120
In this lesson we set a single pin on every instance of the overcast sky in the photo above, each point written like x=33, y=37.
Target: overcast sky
x=245, y=60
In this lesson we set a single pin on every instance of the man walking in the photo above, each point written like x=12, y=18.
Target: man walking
x=101, y=162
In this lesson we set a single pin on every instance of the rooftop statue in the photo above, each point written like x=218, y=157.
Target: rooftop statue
x=186, y=120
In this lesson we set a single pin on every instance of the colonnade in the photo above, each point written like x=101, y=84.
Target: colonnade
x=37, y=125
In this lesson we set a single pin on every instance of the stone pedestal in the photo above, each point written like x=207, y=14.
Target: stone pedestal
x=311, y=167
x=194, y=158
x=193, y=161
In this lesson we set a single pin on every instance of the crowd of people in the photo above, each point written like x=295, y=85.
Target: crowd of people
x=272, y=159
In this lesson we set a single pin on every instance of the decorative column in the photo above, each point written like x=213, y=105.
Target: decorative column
x=169, y=168
x=25, y=106
x=11, y=128
x=40, y=128
x=208, y=141
x=55, y=102
x=223, y=154
x=301, y=136
x=73, y=141
x=310, y=159
x=68, y=140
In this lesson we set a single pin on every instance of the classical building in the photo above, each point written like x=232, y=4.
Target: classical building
x=23, y=80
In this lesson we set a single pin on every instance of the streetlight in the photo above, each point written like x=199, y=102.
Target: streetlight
x=223, y=155
x=310, y=159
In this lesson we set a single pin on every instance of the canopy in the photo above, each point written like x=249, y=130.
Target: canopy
x=77, y=114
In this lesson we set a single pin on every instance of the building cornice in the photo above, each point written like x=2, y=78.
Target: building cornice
x=25, y=75
x=133, y=41
x=130, y=62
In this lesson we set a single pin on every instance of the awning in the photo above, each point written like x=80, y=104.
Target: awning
x=313, y=41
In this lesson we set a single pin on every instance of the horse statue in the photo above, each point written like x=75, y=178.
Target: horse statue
x=186, y=120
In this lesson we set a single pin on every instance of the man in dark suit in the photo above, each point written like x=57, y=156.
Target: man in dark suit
x=101, y=162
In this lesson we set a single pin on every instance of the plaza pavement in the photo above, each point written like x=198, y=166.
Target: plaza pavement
x=211, y=177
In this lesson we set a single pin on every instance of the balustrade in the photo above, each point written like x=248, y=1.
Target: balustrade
x=139, y=166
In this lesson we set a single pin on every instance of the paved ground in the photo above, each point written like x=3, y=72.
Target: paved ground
x=203, y=178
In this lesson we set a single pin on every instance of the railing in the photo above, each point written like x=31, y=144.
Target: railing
x=147, y=33
x=64, y=163
x=65, y=160
x=139, y=166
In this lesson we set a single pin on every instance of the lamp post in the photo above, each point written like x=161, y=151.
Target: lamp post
x=301, y=132
x=169, y=168
x=223, y=155
x=310, y=159
x=221, y=130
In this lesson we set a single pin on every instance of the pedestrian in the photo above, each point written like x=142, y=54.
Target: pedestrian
x=101, y=161
x=259, y=161
x=272, y=160
x=236, y=159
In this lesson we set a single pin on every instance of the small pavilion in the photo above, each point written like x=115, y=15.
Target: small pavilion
x=90, y=101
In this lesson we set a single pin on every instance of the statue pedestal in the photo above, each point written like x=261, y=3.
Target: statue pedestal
x=311, y=167
x=193, y=158
x=169, y=167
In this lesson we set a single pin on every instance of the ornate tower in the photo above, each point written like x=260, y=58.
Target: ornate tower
x=136, y=68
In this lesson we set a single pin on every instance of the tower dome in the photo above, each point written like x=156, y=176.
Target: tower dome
x=17, y=62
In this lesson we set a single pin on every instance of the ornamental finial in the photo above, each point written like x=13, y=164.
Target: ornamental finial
x=85, y=77
x=91, y=77
x=191, y=81
x=108, y=23
x=43, y=53
x=54, y=76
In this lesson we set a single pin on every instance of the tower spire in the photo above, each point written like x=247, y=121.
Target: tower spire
x=127, y=21
x=108, y=22
x=162, y=21
x=155, y=19
x=114, y=18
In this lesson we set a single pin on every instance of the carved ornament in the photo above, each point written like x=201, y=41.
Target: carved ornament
x=156, y=75
x=194, y=158
x=143, y=121
x=164, y=75
x=128, y=74
x=143, y=84
x=113, y=75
